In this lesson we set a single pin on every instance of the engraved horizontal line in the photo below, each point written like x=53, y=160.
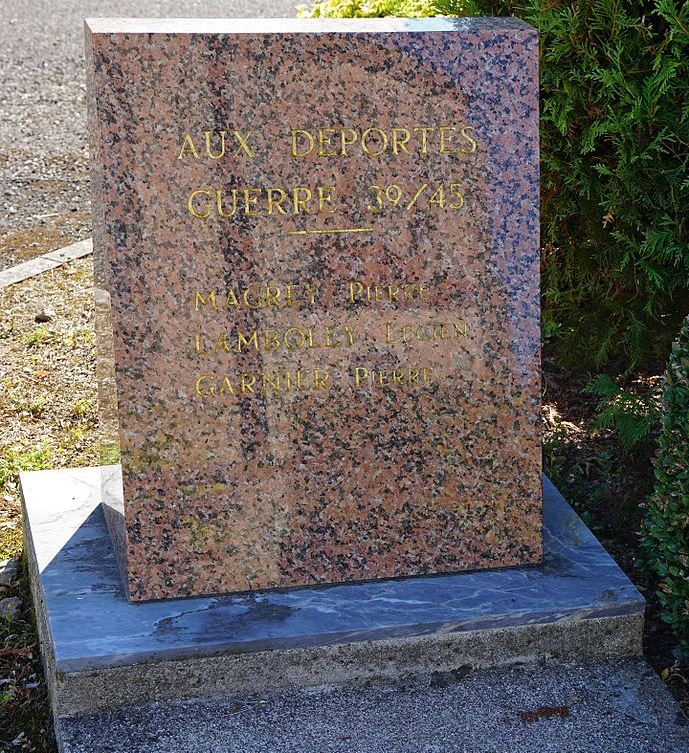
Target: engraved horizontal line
x=325, y=231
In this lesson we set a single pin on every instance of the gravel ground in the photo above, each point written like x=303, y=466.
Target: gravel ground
x=614, y=706
x=43, y=144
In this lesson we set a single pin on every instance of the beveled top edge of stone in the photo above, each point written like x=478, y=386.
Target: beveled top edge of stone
x=298, y=25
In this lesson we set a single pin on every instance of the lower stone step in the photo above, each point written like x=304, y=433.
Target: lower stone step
x=608, y=706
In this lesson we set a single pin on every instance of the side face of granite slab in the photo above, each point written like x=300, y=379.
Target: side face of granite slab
x=326, y=392
x=579, y=601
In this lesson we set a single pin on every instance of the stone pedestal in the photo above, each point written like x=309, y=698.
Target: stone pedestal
x=102, y=650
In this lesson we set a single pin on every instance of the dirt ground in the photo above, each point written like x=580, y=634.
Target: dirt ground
x=48, y=412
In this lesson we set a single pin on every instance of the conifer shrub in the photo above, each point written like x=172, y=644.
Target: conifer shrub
x=665, y=531
x=633, y=414
x=369, y=9
x=614, y=162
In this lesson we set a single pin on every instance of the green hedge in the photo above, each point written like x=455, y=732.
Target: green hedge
x=615, y=167
x=374, y=9
x=665, y=533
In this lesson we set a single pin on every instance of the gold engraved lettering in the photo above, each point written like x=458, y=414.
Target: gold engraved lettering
x=242, y=140
x=191, y=206
x=247, y=383
x=226, y=387
x=383, y=137
x=248, y=380
x=359, y=292
x=294, y=338
x=329, y=335
x=375, y=141
x=260, y=202
x=258, y=295
x=438, y=197
x=455, y=192
x=445, y=138
x=364, y=376
x=298, y=134
x=199, y=299
x=250, y=200
x=276, y=203
x=360, y=375
x=243, y=146
x=350, y=334
x=311, y=292
x=426, y=332
x=271, y=340
x=220, y=205
x=355, y=289
x=320, y=379
x=199, y=348
x=472, y=142
x=325, y=197
x=324, y=137
x=222, y=344
x=272, y=295
x=258, y=302
x=354, y=137
x=400, y=139
x=209, y=150
x=272, y=382
x=188, y=145
x=242, y=341
x=301, y=204
x=199, y=384
x=424, y=130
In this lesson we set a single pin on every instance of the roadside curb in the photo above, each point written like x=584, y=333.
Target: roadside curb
x=51, y=260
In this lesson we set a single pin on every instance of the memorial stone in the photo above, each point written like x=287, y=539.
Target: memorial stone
x=317, y=260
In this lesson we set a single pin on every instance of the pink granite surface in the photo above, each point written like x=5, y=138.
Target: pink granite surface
x=315, y=478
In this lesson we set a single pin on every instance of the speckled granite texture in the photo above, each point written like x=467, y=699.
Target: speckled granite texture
x=319, y=434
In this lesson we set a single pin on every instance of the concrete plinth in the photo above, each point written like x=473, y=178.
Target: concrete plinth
x=102, y=651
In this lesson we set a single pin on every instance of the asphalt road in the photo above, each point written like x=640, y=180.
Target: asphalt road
x=43, y=145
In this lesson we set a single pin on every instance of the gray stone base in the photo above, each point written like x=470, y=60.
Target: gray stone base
x=102, y=651
x=255, y=673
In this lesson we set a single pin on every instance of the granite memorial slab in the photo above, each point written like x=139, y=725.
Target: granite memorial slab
x=317, y=261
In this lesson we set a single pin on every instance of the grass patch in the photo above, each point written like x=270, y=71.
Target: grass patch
x=81, y=409
x=12, y=461
x=25, y=717
x=10, y=545
x=49, y=407
x=37, y=337
x=15, y=459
